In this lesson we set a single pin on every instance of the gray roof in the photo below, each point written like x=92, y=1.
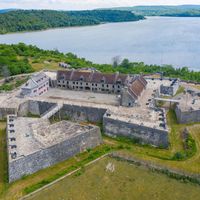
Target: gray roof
x=35, y=81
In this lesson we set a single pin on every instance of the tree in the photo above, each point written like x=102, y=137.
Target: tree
x=116, y=61
x=5, y=72
x=125, y=63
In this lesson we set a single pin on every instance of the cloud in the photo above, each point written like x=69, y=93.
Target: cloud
x=85, y=4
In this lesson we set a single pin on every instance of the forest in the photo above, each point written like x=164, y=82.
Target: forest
x=19, y=58
x=31, y=20
x=171, y=11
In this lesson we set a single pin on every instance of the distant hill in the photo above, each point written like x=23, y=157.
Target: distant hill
x=6, y=10
x=30, y=20
x=173, y=11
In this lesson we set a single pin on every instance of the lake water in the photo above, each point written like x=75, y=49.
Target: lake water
x=157, y=40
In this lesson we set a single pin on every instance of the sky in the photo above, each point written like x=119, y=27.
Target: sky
x=86, y=4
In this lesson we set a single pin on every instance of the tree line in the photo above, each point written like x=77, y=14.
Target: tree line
x=172, y=11
x=31, y=20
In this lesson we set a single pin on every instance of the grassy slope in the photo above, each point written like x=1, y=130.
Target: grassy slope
x=126, y=182
x=25, y=59
x=164, y=157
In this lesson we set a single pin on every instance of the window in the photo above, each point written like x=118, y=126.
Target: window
x=103, y=80
x=12, y=139
x=13, y=146
x=81, y=78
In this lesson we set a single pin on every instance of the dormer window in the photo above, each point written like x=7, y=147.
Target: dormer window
x=81, y=78
x=103, y=80
x=119, y=81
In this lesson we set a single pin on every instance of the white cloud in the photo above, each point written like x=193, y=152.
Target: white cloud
x=86, y=4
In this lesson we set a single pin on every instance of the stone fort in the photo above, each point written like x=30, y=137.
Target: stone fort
x=124, y=104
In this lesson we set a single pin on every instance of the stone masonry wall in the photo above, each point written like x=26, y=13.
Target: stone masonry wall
x=34, y=107
x=54, y=154
x=82, y=113
x=143, y=134
x=187, y=116
x=6, y=111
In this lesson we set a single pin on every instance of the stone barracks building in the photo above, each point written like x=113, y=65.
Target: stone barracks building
x=37, y=85
x=129, y=87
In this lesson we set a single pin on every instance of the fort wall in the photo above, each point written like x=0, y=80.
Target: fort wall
x=49, y=156
x=185, y=117
x=7, y=111
x=34, y=107
x=82, y=113
x=140, y=133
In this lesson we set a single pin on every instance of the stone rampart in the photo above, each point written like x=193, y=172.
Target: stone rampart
x=34, y=107
x=185, y=117
x=46, y=157
x=82, y=113
x=140, y=133
x=7, y=111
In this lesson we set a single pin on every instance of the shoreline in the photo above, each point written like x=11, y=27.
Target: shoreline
x=64, y=27
x=92, y=25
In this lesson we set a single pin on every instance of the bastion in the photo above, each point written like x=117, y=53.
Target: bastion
x=34, y=143
x=188, y=110
x=145, y=127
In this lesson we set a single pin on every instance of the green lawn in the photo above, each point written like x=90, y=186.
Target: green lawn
x=13, y=84
x=180, y=90
x=122, y=181
x=165, y=156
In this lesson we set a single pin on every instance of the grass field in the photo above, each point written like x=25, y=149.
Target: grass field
x=111, y=179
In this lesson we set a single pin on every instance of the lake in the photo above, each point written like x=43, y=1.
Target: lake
x=156, y=40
